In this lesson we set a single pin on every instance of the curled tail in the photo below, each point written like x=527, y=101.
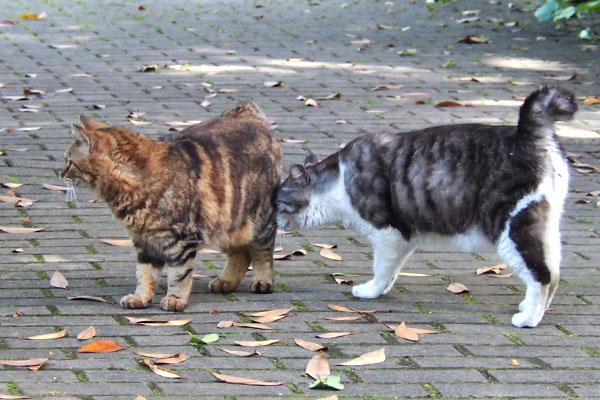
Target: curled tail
x=542, y=108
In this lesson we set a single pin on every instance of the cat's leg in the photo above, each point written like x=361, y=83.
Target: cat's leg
x=238, y=261
x=390, y=252
x=148, y=271
x=180, y=279
x=262, y=263
x=531, y=246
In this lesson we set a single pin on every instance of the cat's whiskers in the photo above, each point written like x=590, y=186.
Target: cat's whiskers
x=70, y=195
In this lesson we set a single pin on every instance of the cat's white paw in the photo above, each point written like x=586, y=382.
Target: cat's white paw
x=523, y=320
x=367, y=290
x=522, y=306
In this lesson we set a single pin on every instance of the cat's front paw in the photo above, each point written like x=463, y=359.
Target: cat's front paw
x=366, y=290
x=261, y=287
x=522, y=320
x=221, y=285
x=134, y=301
x=171, y=303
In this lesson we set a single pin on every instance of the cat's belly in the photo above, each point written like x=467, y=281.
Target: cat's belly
x=473, y=240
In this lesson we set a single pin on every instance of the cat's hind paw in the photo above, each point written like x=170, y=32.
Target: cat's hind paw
x=522, y=320
x=171, y=303
x=366, y=290
x=134, y=301
x=221, y=285
x=261, y=287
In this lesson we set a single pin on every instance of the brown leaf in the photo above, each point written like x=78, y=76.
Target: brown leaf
x=333, y=335
x=373, y=357
x=101, y=346
x=591, y=99
x=469, y=39
x=333, y=96
x=457, y=288
x=54, y=187
x=136, y=122
x=152, y=322
x=17, y=200
x=386, y=87
x=269, y=313
x=16, y=229
x=257, y=343
x=7, y=23
x=282, y=256
x=90, y=298
x=563, y=77
x=253, y=326
x=46, y=336
x=11, y=185
x=299, y=252
x=167, y=373
x=272, y=83
x=118, y=242
x=330, y=254
x=176, y=359
x=514, y=362
x=332, y=397
x=335, y=307
x=311, y=103
x=33, y=363
x=350, y=318
x=87, y=333
x=448, y=103
x=58, y=280
x=318, y=366
x=155, y=355
x=418, y=331
x=405, y=332
x=147, y=68
x=324, y=245
x=495, y=269
x=310, y=346
x=385, y=27
x=244, y=381
x=13, y=396
x=292, y=141
x=241, y=353
x=18, y=250
x=343, y=281
x=270, y=318
x=225, y=324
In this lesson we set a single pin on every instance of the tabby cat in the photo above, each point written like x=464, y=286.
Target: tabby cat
x=473, y=185
x=214, y=183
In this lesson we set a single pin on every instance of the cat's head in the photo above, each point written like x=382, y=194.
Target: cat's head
x=83, y=156
x=293, y=198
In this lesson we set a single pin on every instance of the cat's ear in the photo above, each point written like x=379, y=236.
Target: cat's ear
x=311, y=159
x=91, y=141
x=298, y=175
x=89, y=123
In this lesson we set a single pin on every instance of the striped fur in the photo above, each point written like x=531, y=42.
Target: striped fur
x=214, y=183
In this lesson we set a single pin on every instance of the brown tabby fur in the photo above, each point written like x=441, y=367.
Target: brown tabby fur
x=214, y=183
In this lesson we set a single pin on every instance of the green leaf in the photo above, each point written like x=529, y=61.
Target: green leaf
x=449, y=64
x=545, y=12
x=211, y=337
x=589, y=6
x=331, y=382
x=565, y=13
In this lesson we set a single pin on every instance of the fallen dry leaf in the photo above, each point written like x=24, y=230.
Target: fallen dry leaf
x=333, y=335
x=343, y=281
x=272, y=83
x=87, y=333
x=7, y=23
x=385, y=27
x=152, y=322
x=333, y=96
x=335, y=307
x=405, y=332
x=269, y=313
x=256, y=343
x=167, y=373
x=18, y=250
x=471, y=39
x=292, y=141
x=253, y=326
x=241, y=353
x=205, y=104
x=17, y=200
x=282, y=256
x=324, y=245
x=46, y=336
x=176, y=359
x=65, y=90
x=330, y=254
x=244, y=381
x=332, y=397
x=514, y=362
x=90, y=298
x=101, y=346
x=386, y=87
x=11, y=185
x=33, y=363
x=58, y=280
x=155, y=355
x=350, y=318
x=13, y=396
x=311, y=103
x=493, y=269
x=413, y=274
x=225, y=324
x=448, y=103
x=457, y=288
x=208, y=251
x=310, y=346
x=136, y=122
x=591, y=99
x=318, y=366
x=118, y=242
x=54, y=187
x=270, y=318
x=373, y=357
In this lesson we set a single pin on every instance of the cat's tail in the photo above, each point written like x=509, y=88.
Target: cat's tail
x=542, y=108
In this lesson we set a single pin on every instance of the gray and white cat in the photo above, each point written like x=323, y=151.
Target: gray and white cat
x=473, y=185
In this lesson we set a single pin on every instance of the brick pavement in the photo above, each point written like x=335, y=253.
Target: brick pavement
x=88, y=53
